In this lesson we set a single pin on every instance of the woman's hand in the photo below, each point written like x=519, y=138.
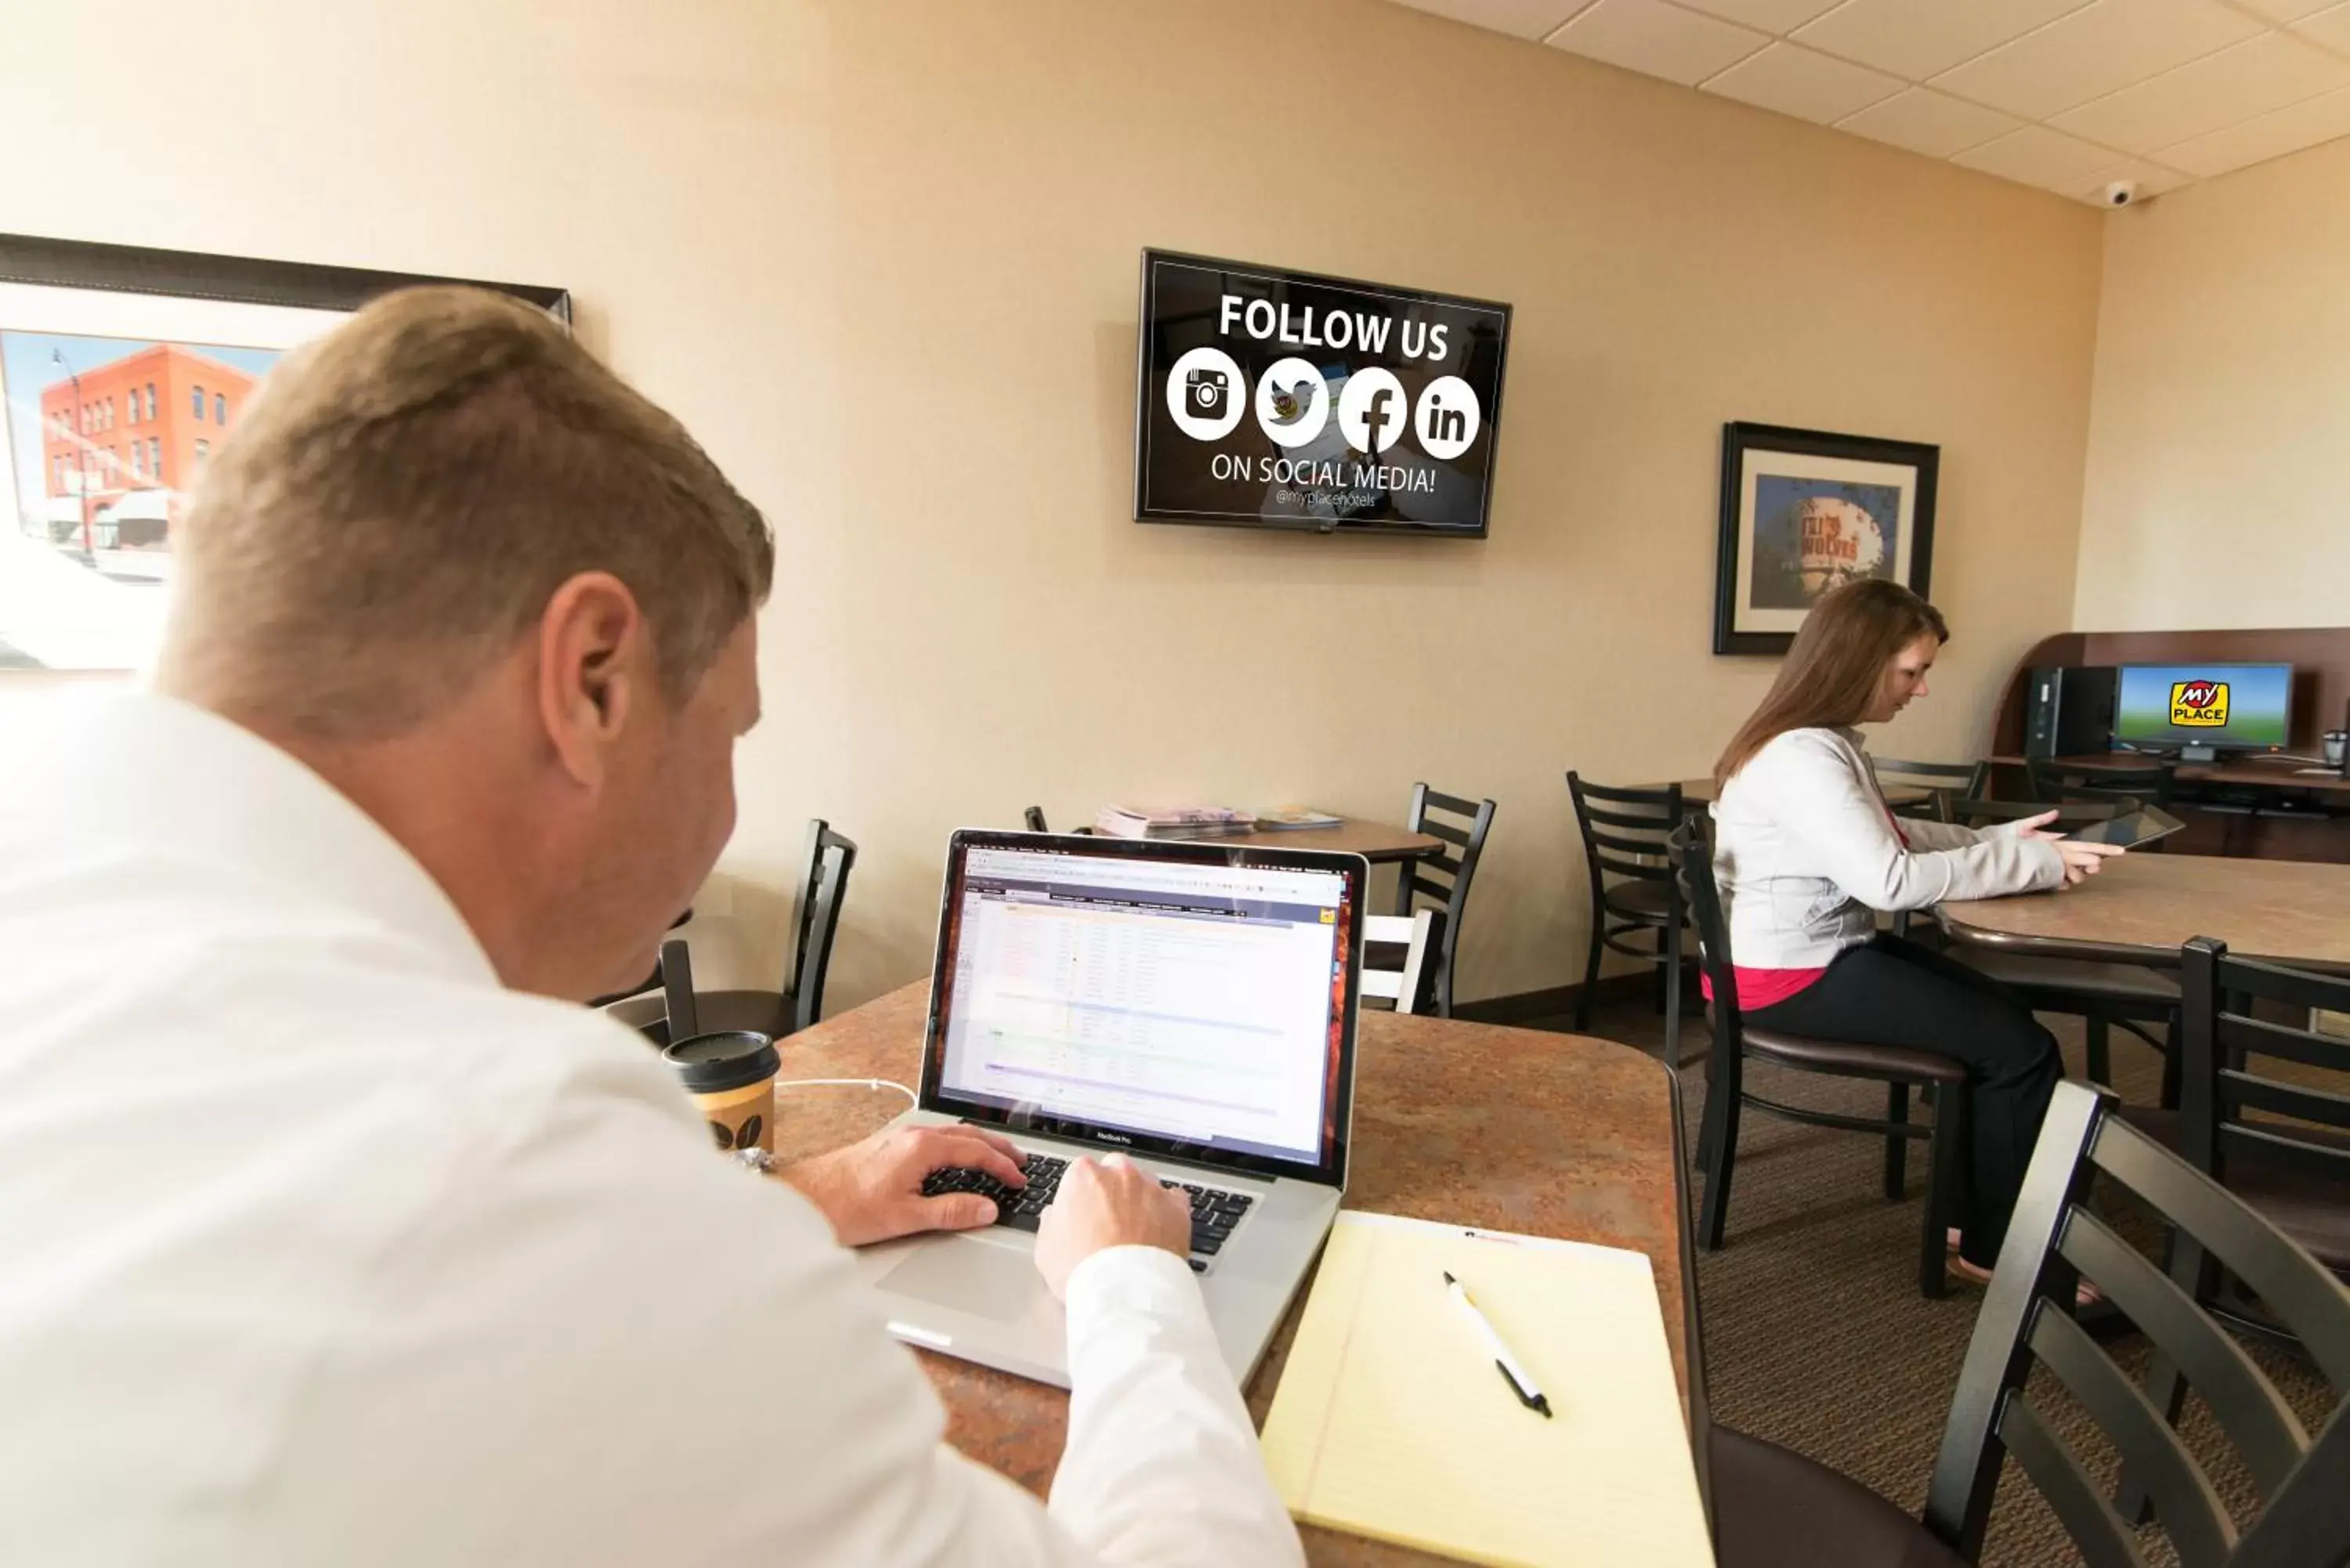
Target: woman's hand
x=2081, y=859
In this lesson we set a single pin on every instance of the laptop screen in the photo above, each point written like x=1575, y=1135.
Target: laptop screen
x=1179, y=999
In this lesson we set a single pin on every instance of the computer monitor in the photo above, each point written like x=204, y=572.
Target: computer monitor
x=2201, y=709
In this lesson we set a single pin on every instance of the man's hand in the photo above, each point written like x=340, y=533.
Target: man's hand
x=1113, y=1203
x=872, y=1190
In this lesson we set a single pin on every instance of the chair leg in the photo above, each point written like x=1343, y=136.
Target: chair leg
x=2101, y=1059
x=2173, y=1049
x=1896, y=1148
x=1942, y=1190
x=1662, y=978
x=1672, y=1052
x=1721, y=1146
x=1590, y=994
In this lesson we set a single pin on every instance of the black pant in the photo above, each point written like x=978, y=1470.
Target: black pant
x=1894, y=993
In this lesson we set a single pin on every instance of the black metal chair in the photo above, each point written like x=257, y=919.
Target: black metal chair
x=2057, y=783
x=1628, y=861
x=2026, y=1319
x=1773, y=1508
x=2243, y=1075
x=1034, y=819
x=1944, y=784
x=2101, y=995
x=1455, y=867
x=1899, y=1068
x=800, y=1001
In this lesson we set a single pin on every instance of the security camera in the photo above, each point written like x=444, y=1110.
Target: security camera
x=2121, y=192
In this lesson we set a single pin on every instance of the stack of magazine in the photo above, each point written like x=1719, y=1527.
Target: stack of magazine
x=1172, y=822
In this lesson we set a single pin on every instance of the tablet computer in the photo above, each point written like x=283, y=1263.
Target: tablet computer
x=2130, y=829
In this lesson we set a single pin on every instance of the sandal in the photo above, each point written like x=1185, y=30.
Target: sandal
x=2084, y=1295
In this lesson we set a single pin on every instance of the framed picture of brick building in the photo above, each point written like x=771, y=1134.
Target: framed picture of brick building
x=121, y=372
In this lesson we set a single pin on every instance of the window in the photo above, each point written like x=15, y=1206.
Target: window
x=61, y=474
x=85, y=418
x=197, y=398
x=220, y=407
x=204, y=454
x=150, y=399
x=139, y=459
x=155, y=457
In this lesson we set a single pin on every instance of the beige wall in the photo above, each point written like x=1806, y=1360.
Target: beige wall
x=883, y=257
x=2218, y=491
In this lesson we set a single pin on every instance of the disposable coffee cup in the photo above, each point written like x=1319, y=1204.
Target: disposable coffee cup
x=732, y=1076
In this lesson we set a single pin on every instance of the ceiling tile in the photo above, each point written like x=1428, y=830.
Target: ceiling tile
x=1770, y=16
x=1660, y=39
x=1809, y=86
x=1924, y=120
x=2038, y=156
x=2329, y=27
x=2284, y=10
x=2305, y=124
x=2096, y=51
x=2151, y=179
x=1918, y=38
x=2250, y=78
x=1519, y=18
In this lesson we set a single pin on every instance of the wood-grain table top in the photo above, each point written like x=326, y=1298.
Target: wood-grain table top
x=2142, y=907
x=1375, y=842
x=1553, y=1134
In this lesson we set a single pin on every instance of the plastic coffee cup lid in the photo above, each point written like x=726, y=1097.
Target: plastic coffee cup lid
x=730, y=1059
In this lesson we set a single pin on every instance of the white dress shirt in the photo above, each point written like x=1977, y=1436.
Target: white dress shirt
x=1807, y=851
x=319, y=1248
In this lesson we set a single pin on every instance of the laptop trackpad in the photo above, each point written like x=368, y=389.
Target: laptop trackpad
x=999, y=1283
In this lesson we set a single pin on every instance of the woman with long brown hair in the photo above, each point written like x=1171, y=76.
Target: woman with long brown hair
x=1807, y=851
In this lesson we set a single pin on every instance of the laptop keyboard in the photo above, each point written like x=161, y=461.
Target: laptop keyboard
x=1214, y=1211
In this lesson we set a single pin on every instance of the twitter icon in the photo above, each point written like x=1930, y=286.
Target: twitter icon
x=1293, y=402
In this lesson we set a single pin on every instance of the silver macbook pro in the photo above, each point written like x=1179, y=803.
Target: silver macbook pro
x=1191, y=1006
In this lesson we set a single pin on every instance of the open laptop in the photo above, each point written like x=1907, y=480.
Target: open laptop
x=1190, y=1005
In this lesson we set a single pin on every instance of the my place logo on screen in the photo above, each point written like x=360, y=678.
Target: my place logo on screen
x=2198, y=704
x=1207, y=396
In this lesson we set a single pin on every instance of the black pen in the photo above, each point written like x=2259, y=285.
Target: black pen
x=1521, y=1383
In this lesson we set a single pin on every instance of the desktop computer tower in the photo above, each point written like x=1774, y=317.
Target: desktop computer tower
x=2068, y=711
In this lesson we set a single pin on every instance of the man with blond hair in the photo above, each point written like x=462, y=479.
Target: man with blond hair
x=332, y=1228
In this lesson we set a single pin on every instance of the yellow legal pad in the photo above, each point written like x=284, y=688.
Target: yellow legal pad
x=1392, y=1420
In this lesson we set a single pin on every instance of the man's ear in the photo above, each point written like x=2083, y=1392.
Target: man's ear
x=595, y=665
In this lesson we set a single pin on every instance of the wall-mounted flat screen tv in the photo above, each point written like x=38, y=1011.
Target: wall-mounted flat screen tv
x=1270, y=398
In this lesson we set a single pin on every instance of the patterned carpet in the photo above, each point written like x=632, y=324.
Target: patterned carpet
x=1815, y=1333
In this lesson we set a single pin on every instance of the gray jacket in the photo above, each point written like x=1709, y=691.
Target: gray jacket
x=1806, y=852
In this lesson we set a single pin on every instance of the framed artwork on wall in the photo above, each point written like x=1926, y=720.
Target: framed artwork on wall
x=1803, y=511
x=121, y=370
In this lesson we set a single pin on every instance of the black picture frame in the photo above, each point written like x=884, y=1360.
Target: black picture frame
x=245, y=280
x=1887, y=485
x=95, y=482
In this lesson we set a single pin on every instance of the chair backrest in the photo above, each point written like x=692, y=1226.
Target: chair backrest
x=1034, y=818
x=2226, y=1051
x=816, y=918
x=2026, y=1319
x=678, y=1015
x=2054, y=783
x=1444, y=877
x=1946, y=784
x=1624, y=830
x=1691, y=846
x=1411, y=986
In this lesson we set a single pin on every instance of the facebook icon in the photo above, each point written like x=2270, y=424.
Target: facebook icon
x=1372, y=410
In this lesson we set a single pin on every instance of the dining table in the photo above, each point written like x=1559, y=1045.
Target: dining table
x=1562, y=1135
